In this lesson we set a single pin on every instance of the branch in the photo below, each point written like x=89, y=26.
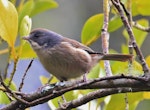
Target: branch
x=136, y=84
x=105, y=36
x=129, y=15
x=118, y=6
x=24, y=75
x=95, y=95
x=140, y=27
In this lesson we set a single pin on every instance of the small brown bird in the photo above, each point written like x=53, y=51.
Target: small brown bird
x=66, y=58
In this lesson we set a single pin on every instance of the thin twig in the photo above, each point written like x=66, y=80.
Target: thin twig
x=132, y=38
x=24, y=75
x=126, y=102
x=12, y=93
x=129, y=16
x=105, y=36
x=140, y=27
x=13, y=71
x=8, y=63
x=50, y=79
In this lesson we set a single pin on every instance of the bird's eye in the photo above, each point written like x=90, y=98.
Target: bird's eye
x=36, y=35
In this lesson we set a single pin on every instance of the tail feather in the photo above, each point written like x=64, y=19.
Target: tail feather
x=117, y=57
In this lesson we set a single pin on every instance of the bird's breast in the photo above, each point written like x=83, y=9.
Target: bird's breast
x=64, y=61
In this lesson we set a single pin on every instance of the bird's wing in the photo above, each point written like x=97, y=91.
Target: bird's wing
x=76, y=44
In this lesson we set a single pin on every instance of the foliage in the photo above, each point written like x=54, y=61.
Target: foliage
x=17, y=23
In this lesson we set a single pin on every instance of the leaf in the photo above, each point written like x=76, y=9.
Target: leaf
x=25, y=10
x=92, y=29
x=54, y=102
x=123, y=67
x=146, y=95
x=114, y=24
x=94, y=73
x=141, y=7
x=25, y=26
x=33, y=7
x=27, y=51
x=124, y=48
x=43, y=5
x=148, y=60
x=139, y=35
x=43, y=80
x=8, y=22
x=118, y=99
x=12, y=85
x=119, y=67
x=3, y=97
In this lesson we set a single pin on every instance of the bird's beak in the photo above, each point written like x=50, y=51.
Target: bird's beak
x=26, y=38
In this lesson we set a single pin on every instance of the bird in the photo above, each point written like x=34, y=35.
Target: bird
x=64, y=57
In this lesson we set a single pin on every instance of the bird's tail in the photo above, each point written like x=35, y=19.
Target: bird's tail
x=117, y=57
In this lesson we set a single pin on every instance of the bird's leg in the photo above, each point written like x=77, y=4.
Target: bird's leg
x=63, y=97
x=84, y=77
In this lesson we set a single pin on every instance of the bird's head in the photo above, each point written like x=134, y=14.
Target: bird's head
x=43, y=38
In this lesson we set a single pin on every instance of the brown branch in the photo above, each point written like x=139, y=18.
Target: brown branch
x=129, y=16
x=95, y=95
x=105, y=36
x=126, y=101
x=118, y=6
x=135, y=84
x=13, y=71
x=8, y=63
x=23, y=78
x=140, y=27
x=13, y=94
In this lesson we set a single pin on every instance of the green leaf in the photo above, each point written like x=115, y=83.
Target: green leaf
x=134, y=99
x=124, y=48
x=92, y=29
x=26, y=10
x=123, y=67
x=141, y=7
x=12, y=85
x=94, y=73
x=33, y=7
x=27, y=51
x=44, y=80
x=25, y=26
x=3, y=97
x=146, y=95
x=119, y=67
x=139, y=35
x=54, y=102
x=118, y=99
x=114, y=24
x=43, y=5
x=148, y=60
x=8, y=22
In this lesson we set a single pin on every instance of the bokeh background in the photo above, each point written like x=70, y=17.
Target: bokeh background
x=68, y=20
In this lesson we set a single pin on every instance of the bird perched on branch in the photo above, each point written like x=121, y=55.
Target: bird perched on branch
x=66, y=58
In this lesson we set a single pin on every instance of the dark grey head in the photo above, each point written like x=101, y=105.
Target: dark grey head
x=43, y=38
